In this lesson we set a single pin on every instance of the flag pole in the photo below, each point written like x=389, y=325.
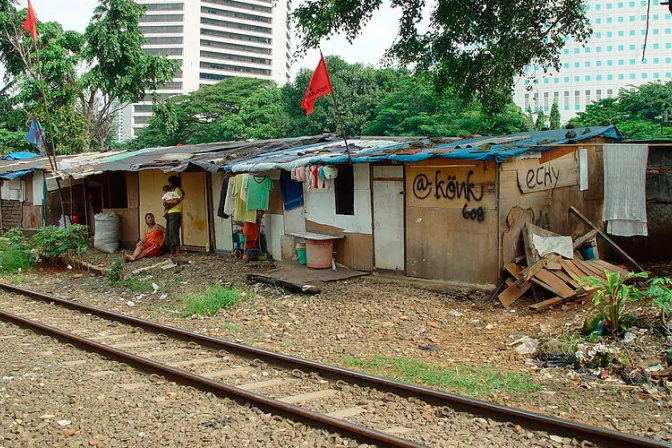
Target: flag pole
x=339, y=119
x=40, y=80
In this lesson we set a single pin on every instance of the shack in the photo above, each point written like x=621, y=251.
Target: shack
x=450, y=211
x=441, y=209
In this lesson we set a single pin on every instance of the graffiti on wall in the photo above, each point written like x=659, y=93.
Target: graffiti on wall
x=557, y=173
x=451, y=188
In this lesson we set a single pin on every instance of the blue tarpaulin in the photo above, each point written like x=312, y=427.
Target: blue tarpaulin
x=22, y=155
x=497, y=148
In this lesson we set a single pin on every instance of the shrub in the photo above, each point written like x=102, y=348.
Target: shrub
x=15, y=252
x=52, y=241
x=613, y=295
x=209, y=302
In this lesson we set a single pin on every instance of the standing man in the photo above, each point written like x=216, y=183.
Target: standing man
x=174, y=216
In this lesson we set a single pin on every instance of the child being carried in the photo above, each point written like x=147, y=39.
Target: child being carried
x=168, y=194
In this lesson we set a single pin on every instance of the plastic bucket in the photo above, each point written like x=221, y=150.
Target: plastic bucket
x=319, y=253
x=301, y=252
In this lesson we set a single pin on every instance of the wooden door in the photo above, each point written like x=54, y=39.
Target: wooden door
x=388, y=217
x=194, y=211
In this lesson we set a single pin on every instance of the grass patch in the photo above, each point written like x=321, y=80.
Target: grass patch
x=209, y=302
x=133, y=284
x=14, y=257
x=230, y=327
x=477, y=382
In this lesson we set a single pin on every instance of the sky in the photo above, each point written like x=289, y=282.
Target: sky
x=368, y=48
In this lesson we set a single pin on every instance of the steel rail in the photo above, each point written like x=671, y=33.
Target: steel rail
x=293, y=412
x=527, y=419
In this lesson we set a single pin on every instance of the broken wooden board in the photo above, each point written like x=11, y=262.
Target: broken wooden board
x=590, y=270
x=522, y=284
x=293, y=287
x=610, y=267
x=558, y=285
x=580, y=241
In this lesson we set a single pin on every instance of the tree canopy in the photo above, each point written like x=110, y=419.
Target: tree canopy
x=86, y=77
x=372, y=101
x=638, y=112
x=476, y=48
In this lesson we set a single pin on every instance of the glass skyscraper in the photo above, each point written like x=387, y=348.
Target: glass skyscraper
x=609, y=61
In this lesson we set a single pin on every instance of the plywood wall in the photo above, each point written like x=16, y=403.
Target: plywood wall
x=452, y=221
x=194, y=211
x=546, y=204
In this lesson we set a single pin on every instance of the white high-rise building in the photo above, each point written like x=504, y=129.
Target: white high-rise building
x=212, y=40
x=610, y=61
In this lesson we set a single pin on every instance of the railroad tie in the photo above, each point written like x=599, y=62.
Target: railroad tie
x=194, y=362
x=223, y=373
x=177, y=351
x=270, y=383
x=302, y=398
x=135, y=344
x=348, y=412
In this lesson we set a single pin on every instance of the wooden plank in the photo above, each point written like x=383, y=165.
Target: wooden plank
x=555, y=301
x=580, y=241
x=574, y=272
x=522, y=284
x=514, y=269
x=591, y=271
x=606, y=238
x=611, y=267
x=544, y=286
x=554, y=266
x=513, y=293
x=554, y=282
x=561, y=172
x=546, y=304
x=571, y=270
x=562, y=275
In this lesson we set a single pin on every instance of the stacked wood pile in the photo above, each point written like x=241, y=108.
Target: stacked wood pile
x=553, y=279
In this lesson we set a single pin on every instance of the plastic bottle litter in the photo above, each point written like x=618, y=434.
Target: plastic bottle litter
x=527, y=347
x=629, y=337
x=455, y=313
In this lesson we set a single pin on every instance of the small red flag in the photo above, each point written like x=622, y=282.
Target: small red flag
x=30, y=23
x=320, y=85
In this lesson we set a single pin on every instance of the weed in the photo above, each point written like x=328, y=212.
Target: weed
x=14, y=279
x=116, y=272
x=473, y=381
x=612, y=296
x=15, y=252
x=230, y=327
x=565, y=345
x=660, y=290
x=209, y=302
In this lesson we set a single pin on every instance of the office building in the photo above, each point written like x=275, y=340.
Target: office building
x=611, y=59
x=212, y=40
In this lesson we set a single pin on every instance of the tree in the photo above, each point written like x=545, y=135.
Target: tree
x=540, y=124
x=359, y=89
x=233, y=109
x=637, y=112
x=83, y=79
x=415, y=108
x=554, y=118
x=477, y=48
x=119, y=71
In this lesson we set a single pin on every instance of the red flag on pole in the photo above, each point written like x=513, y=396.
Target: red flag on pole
x=320, y=85
x=30, y=23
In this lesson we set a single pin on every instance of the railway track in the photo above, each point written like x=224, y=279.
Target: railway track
x=368, y=409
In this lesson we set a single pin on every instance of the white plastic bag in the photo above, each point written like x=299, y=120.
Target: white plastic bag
x=106, y=238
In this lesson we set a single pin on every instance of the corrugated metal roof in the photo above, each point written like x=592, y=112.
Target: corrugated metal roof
x=498, y=148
